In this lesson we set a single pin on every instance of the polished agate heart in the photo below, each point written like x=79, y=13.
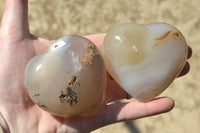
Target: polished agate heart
x=144, y=59
x=69, y=79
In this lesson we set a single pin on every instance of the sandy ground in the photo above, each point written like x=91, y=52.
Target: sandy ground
x=53, y=19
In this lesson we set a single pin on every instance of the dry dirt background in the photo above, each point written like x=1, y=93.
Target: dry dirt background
x=55, y=18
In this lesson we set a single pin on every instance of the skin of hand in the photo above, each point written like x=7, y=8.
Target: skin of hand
x=17, y=47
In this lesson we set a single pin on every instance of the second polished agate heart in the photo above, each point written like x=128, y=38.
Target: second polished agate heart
x=144, y=59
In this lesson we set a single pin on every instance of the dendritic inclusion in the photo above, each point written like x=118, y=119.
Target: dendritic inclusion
x=69, y=93
x=88, y=57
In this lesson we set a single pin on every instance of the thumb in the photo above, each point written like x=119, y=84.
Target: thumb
x=15, y=19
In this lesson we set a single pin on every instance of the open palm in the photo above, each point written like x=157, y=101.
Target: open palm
x=17, y=47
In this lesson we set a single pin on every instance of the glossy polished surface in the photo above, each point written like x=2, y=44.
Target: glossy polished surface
x=144, y=59
x=64, y=81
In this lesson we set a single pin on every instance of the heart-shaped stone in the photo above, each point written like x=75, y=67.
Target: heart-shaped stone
x=68, y=80
x=144, y=59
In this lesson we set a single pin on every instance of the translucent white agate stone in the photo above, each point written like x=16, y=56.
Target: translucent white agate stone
x=144, y=59
x=69, y=79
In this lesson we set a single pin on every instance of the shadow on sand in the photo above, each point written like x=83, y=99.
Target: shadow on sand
x=131, y=127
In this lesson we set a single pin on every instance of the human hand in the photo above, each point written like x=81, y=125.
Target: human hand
x=17, y=47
